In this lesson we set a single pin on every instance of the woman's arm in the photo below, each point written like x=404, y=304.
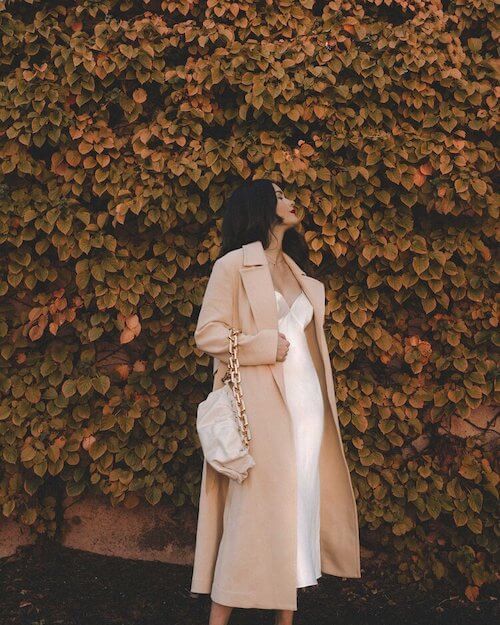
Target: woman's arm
x=214, y=321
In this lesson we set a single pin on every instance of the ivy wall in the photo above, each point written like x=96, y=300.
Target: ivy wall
x=124, y=125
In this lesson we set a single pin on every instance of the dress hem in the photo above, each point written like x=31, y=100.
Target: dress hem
x=240, y=600
x=308, y=584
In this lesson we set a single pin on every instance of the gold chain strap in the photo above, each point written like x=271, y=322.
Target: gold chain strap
x=233, y=374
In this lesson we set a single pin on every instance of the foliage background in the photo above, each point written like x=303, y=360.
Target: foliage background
x=123, y=125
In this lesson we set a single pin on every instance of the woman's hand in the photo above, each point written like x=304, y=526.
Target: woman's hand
x=283, y=346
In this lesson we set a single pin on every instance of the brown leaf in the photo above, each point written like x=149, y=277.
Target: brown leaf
x=419, y=178
x=126, y=336
x=132, y=322
x=35, y=333
x=123, y=371
x=472, y=592
x=88, y=441
x=73, y=158
x=139, y=96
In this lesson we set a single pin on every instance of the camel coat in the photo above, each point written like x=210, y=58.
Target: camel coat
x=245, y=554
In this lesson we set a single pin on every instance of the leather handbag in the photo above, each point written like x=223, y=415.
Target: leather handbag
x=222, y=423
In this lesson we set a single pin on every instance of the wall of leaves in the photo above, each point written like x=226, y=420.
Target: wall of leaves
x=123, y=125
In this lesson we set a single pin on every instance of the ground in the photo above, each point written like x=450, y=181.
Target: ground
x=51, y=585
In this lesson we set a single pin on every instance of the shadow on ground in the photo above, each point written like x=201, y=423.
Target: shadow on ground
x=53, y=585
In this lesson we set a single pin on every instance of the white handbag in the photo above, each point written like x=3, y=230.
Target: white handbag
x=222, y=423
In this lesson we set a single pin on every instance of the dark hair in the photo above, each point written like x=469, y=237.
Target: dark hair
x=248, y=215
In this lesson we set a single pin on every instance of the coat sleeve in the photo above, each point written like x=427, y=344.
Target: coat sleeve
x=215, y=319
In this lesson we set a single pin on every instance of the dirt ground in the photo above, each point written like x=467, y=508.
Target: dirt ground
x=53, y=585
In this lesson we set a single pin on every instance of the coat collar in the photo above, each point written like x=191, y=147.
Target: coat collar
x=258, y=284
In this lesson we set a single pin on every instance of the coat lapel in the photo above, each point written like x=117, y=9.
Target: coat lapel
x=258, y=284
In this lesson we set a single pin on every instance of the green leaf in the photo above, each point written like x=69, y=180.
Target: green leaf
x=10, y=455
x=360, y=422
x=409, y=199
x=475, y=500
x=74, y=489
x=41, y=468
x=101, y=384
x=438, y=569
x=68, y=388
x=27, y=453
x=83, y=385
x=460, y=518
x=153, y=495
x=98, y=449
x=475, y=525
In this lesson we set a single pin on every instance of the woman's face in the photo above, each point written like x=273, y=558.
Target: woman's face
x=285, y=208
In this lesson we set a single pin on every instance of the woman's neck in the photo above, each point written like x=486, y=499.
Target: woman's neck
x=274, y=255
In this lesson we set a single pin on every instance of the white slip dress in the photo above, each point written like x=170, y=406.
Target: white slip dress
x=305, y=403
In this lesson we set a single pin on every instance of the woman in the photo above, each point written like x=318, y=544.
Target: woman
x=295, y=515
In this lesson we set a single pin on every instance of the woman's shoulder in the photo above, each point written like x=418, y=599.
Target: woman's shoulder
x=230, y=260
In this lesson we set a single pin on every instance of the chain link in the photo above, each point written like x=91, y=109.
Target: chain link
x=233, y=375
